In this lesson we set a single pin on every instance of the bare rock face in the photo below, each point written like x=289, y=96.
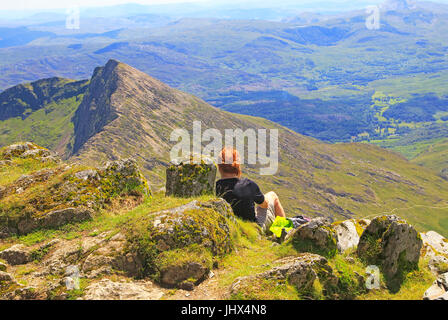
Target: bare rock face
x=348, y=233
x=16, y=255
x=393, y=245
x=316, y=236
x=435, y=247
x=109, y=290
x=111, y=255
x=434, y=244
x=186, y=179
x=438, y=264
x=438, y=290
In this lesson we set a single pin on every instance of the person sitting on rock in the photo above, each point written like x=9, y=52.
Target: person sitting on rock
x=242, y=193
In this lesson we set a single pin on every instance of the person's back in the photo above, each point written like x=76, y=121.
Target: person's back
x=241, y=194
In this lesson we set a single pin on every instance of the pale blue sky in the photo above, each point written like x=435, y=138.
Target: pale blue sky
x=58, y=4
x=61, y=4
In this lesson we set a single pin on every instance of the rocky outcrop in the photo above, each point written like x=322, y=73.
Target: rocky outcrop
x=187, y=179
x=348, y=233
x=178, y=245
x=16, y=255
x=53, y=197
x=299, y=271
x=6, y=277
x=393, y=245
x=302, y=272
x=435, y=248
x=26, y=150
x=316, y=236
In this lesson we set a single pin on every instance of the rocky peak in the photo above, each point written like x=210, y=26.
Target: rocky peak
x=116, y=90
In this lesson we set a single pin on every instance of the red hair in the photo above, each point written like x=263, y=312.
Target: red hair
x=229, y=161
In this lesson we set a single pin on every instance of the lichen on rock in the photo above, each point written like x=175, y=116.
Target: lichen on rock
x=316, y=236
x=393, y=245
x=302, y=272
x=26, y=150
x=53, y=197
x=194, y=233
x=188, y=178
x=348, y=233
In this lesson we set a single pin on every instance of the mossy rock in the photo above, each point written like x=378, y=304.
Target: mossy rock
x=393, y=245
x=24, y=150
x=51, y=198
x=184, y=239
x=185, y=267
x=316, y=236
x=187, y=179
x=301, y=273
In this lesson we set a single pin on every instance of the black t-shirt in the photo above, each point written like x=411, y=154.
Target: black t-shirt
x=241, y=194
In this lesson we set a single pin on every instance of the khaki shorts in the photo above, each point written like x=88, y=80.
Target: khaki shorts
x=265, y=217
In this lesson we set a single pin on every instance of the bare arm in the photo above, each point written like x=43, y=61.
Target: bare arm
x=264, y=205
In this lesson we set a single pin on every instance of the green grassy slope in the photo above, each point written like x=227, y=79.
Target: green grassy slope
x=42, y=112
x=426, y=146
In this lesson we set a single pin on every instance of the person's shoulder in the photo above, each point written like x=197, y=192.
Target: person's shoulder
x=247, y=181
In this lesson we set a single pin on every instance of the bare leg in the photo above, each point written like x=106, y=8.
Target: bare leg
x=279, y=211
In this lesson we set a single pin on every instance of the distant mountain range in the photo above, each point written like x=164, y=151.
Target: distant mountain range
x=121, y=112
x=323, y=75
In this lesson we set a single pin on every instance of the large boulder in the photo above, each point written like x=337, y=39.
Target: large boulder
x=316, y=236
x=177, y=246
x=121, y=176
x=6, y=277
x=393, y=245
x=348, y=233
x=16, y=255
x=186, y=178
